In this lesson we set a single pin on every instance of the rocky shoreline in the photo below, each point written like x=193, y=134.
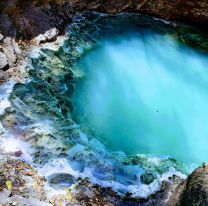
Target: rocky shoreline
x=14, y=67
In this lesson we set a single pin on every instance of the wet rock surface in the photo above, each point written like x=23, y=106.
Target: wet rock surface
x=88, y=195
x=147, y=178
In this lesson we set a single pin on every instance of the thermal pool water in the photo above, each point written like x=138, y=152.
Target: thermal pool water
x=121, y=102
x=145, y=93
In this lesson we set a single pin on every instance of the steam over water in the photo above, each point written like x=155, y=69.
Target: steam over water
x=146, y=94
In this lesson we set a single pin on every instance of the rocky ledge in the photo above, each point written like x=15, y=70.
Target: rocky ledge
x=27, y=19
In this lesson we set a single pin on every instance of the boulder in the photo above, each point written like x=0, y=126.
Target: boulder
x=193, y=191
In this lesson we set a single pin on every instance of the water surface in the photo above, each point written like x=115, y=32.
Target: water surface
x=146, y=93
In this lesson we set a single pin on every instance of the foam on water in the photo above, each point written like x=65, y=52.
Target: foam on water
x=9, y=143
x=5, y=90
x=95, y=163
x=144, y=93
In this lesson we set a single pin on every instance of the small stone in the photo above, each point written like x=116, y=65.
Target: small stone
x=18, y=153
x=147, y=178
x=61, y=180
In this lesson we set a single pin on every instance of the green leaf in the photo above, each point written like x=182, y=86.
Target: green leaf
x=9, y=184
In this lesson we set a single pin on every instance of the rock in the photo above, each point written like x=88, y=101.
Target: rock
x=51, y=34
x=3, y=61
x=193, y=191
x=6, y=26
x=4, y=76
x=11, y=50
x=106, y=196
x=40, y=39
x=48, y=36
x=18, y=153
x=16, y=48
x=61, y=180
x=147, y=178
